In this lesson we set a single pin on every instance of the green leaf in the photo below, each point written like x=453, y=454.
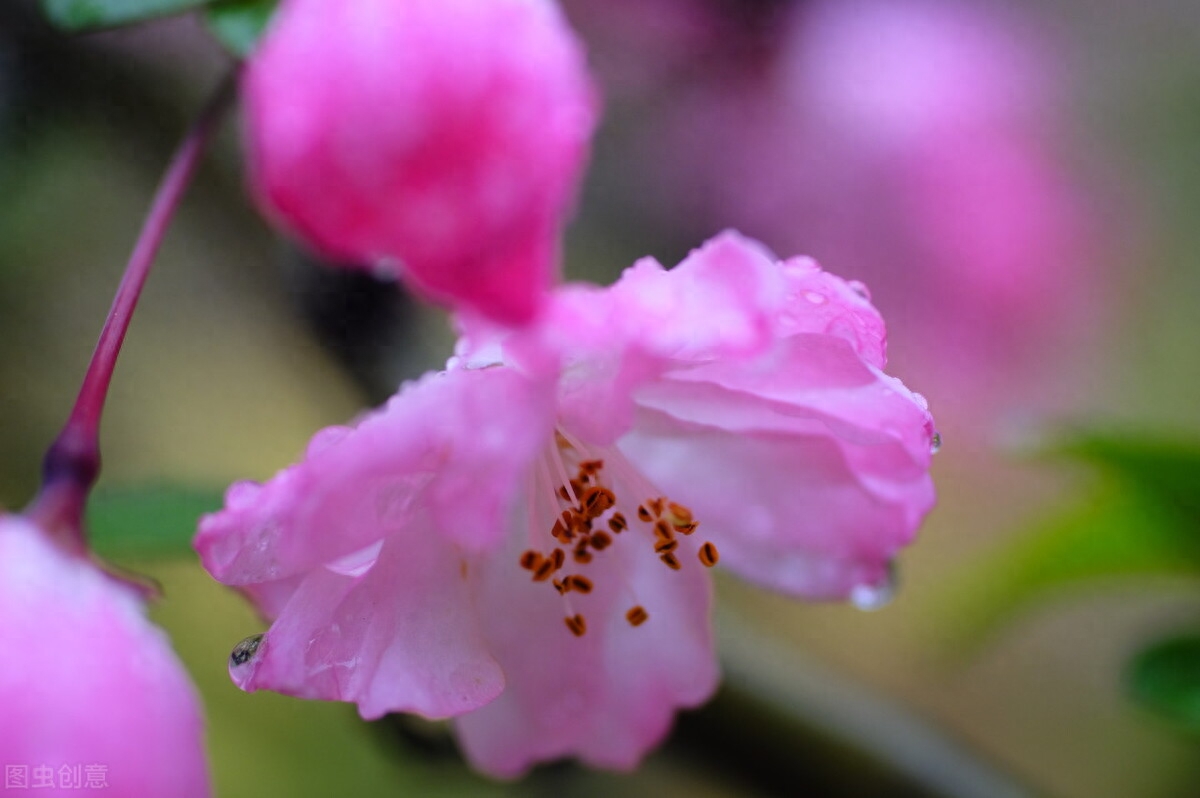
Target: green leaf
x=239, y=24
x=81, y=15
x=150, y=522
x=1165, y=678
x=1142, y=518
x=1165, y=469
x=1113, y=533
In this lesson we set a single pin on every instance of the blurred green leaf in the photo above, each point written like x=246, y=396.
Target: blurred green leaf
x=1143, y=519
x=1114, y=533
x=239, y=24
x=151, y=522
x=81, y=15
x=1166, y=470
x=1166, y=679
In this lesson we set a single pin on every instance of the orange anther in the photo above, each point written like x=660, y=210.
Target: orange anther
x=543, y=571
x=636, y=615
x=597, y=500
x=576, y=624
x=679, y=514
x=580, y=584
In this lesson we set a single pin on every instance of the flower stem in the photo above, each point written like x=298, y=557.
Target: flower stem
x=72, y=463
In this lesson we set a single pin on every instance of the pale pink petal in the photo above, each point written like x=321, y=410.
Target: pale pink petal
x=809, y=470
x=395, y=631
x=87, y=678
x=606, y=697
x=720, y=302
x=453, y=445
x=820, y=302
x=442, y=137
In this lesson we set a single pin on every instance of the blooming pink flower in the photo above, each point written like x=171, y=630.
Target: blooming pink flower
x=88, y=682
x=520, y=542
x=441, y=136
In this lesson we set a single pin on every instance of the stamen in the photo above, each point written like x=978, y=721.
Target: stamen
x=580, y=584
x=576, y=624
x=545, y=568
x=680, y=515
x=597, y=501
x=583, y=518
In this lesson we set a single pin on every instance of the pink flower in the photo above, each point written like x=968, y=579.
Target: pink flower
x=520, y=542
x=441, y=137
x=88, y=682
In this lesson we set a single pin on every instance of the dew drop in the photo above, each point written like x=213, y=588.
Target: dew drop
x=935, y=443
x=860, y=288
x=814, y=297
x=875, y=597
x=244, y=651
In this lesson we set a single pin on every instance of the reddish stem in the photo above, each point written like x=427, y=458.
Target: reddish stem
x=72, y=464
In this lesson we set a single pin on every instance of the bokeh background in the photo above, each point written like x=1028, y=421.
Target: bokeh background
x=1017, y=183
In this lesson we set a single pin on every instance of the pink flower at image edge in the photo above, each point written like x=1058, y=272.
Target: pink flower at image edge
x=89, y=682
x=521, y=542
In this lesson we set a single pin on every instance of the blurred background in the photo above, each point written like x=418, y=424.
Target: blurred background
x=1017, y=183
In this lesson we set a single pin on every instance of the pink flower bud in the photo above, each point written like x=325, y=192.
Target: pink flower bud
x=440, y=137
x=91, y=693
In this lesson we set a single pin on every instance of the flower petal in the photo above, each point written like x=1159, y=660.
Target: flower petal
x=400, y=637
x=809, y=469
x=372, y=137
x=454, y=444
x=87, y=678
x=608, y=696
x=720, y=302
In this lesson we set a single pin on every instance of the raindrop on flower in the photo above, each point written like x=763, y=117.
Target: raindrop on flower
x=244, y=651
x=876, y=596
x=860, y=288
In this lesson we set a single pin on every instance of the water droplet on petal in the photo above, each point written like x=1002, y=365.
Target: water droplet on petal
x=815, y=298
x=244, y=651
x=935, y=443
x=876, y=596
x=860, y=288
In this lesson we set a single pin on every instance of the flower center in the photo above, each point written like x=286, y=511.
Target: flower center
x=587, y=495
